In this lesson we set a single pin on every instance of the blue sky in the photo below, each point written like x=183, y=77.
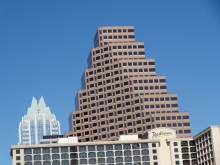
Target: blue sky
x=44, y=47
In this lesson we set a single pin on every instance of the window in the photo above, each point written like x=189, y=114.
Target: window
x=101, y=154
x=55, y=156
x=175, y=144
x=46, y=157
x=64, y=156
x=28, y=163
x=37, y=163
x=37, y=157
x=27, y=157
x=176, y=156
x=17, y=151
x=175, y=149
x=185, y=117
x=187, y=131
x=177, y=162
x=27, y=151
x=73, y=149
x=100, y=148
x=18, y=158
x=65, y=162
x=82, y=148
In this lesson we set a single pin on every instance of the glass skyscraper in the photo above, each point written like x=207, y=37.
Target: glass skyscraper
x=38, y=122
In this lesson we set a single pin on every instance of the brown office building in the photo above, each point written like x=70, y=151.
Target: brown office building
x=121, y=93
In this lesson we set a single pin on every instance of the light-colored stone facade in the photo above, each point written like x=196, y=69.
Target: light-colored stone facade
x=161, y=147
x=208, y=146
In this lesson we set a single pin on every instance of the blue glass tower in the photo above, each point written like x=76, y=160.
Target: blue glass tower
x=37, y=123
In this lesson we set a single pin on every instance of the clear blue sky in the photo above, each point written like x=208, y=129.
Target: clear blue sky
x=44, y=47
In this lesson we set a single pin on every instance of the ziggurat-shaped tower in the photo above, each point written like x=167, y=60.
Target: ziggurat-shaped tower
x=121, y=93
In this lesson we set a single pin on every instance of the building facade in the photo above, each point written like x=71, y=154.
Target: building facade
x=208, y=146
x=38, y=122
x=161, y=147
x=121, y=93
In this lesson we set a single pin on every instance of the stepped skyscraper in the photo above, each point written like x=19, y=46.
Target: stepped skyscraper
x=121, y=93
x=38, y=122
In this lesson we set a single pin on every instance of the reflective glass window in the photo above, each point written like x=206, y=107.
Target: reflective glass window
x=55, y=156
x=127, y=146
x=101, y=154
x=64, y=149
x=101, y=160
x=56, y=162
x=109, y=154
x=100, y=148
x=46, y=157
x=118, y=147
x=46, y=163
x=83, y=161
x=37, y=163
x=92, y=161
x=119, y=159
x=55, y=150
x=145, y=158
x=73, y=155
x=118, y=153
x=46, y=150
x=136, y=152
x=28, y=163
x=37, y=151
x=37, y=157
x=137, y=158
x=109, y=147
x=27, y=151
x=65, y=162
x=146, y=163
x=27, y=157
x=91, y=148
x=73, y=149
x=128, y=159
x=145, y=152
x=82, y=148
x=127, y=153
x=65, y=156
x=110, y=160
x=92, y=154
x=135, y=146
x=144, y=145
x=82, y=155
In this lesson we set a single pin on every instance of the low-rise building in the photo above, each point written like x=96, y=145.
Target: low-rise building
x=157, y=147
x=208, y=146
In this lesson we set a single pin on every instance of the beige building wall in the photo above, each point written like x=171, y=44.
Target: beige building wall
x=121, y=93
x=163, y=149
x=208, y=146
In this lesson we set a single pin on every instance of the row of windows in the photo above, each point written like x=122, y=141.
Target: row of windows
x=137, y=63
x=161, y=106
x=150, y=87
x=150, y=81
x=100, y=161
x=86, y=148
x=139, y=70
x=128, y=47
x=185, y=149
x=117, y=37
x=116, y=30
x=129, y=53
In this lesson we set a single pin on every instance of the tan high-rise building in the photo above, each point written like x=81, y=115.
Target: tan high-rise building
x=121, y=93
